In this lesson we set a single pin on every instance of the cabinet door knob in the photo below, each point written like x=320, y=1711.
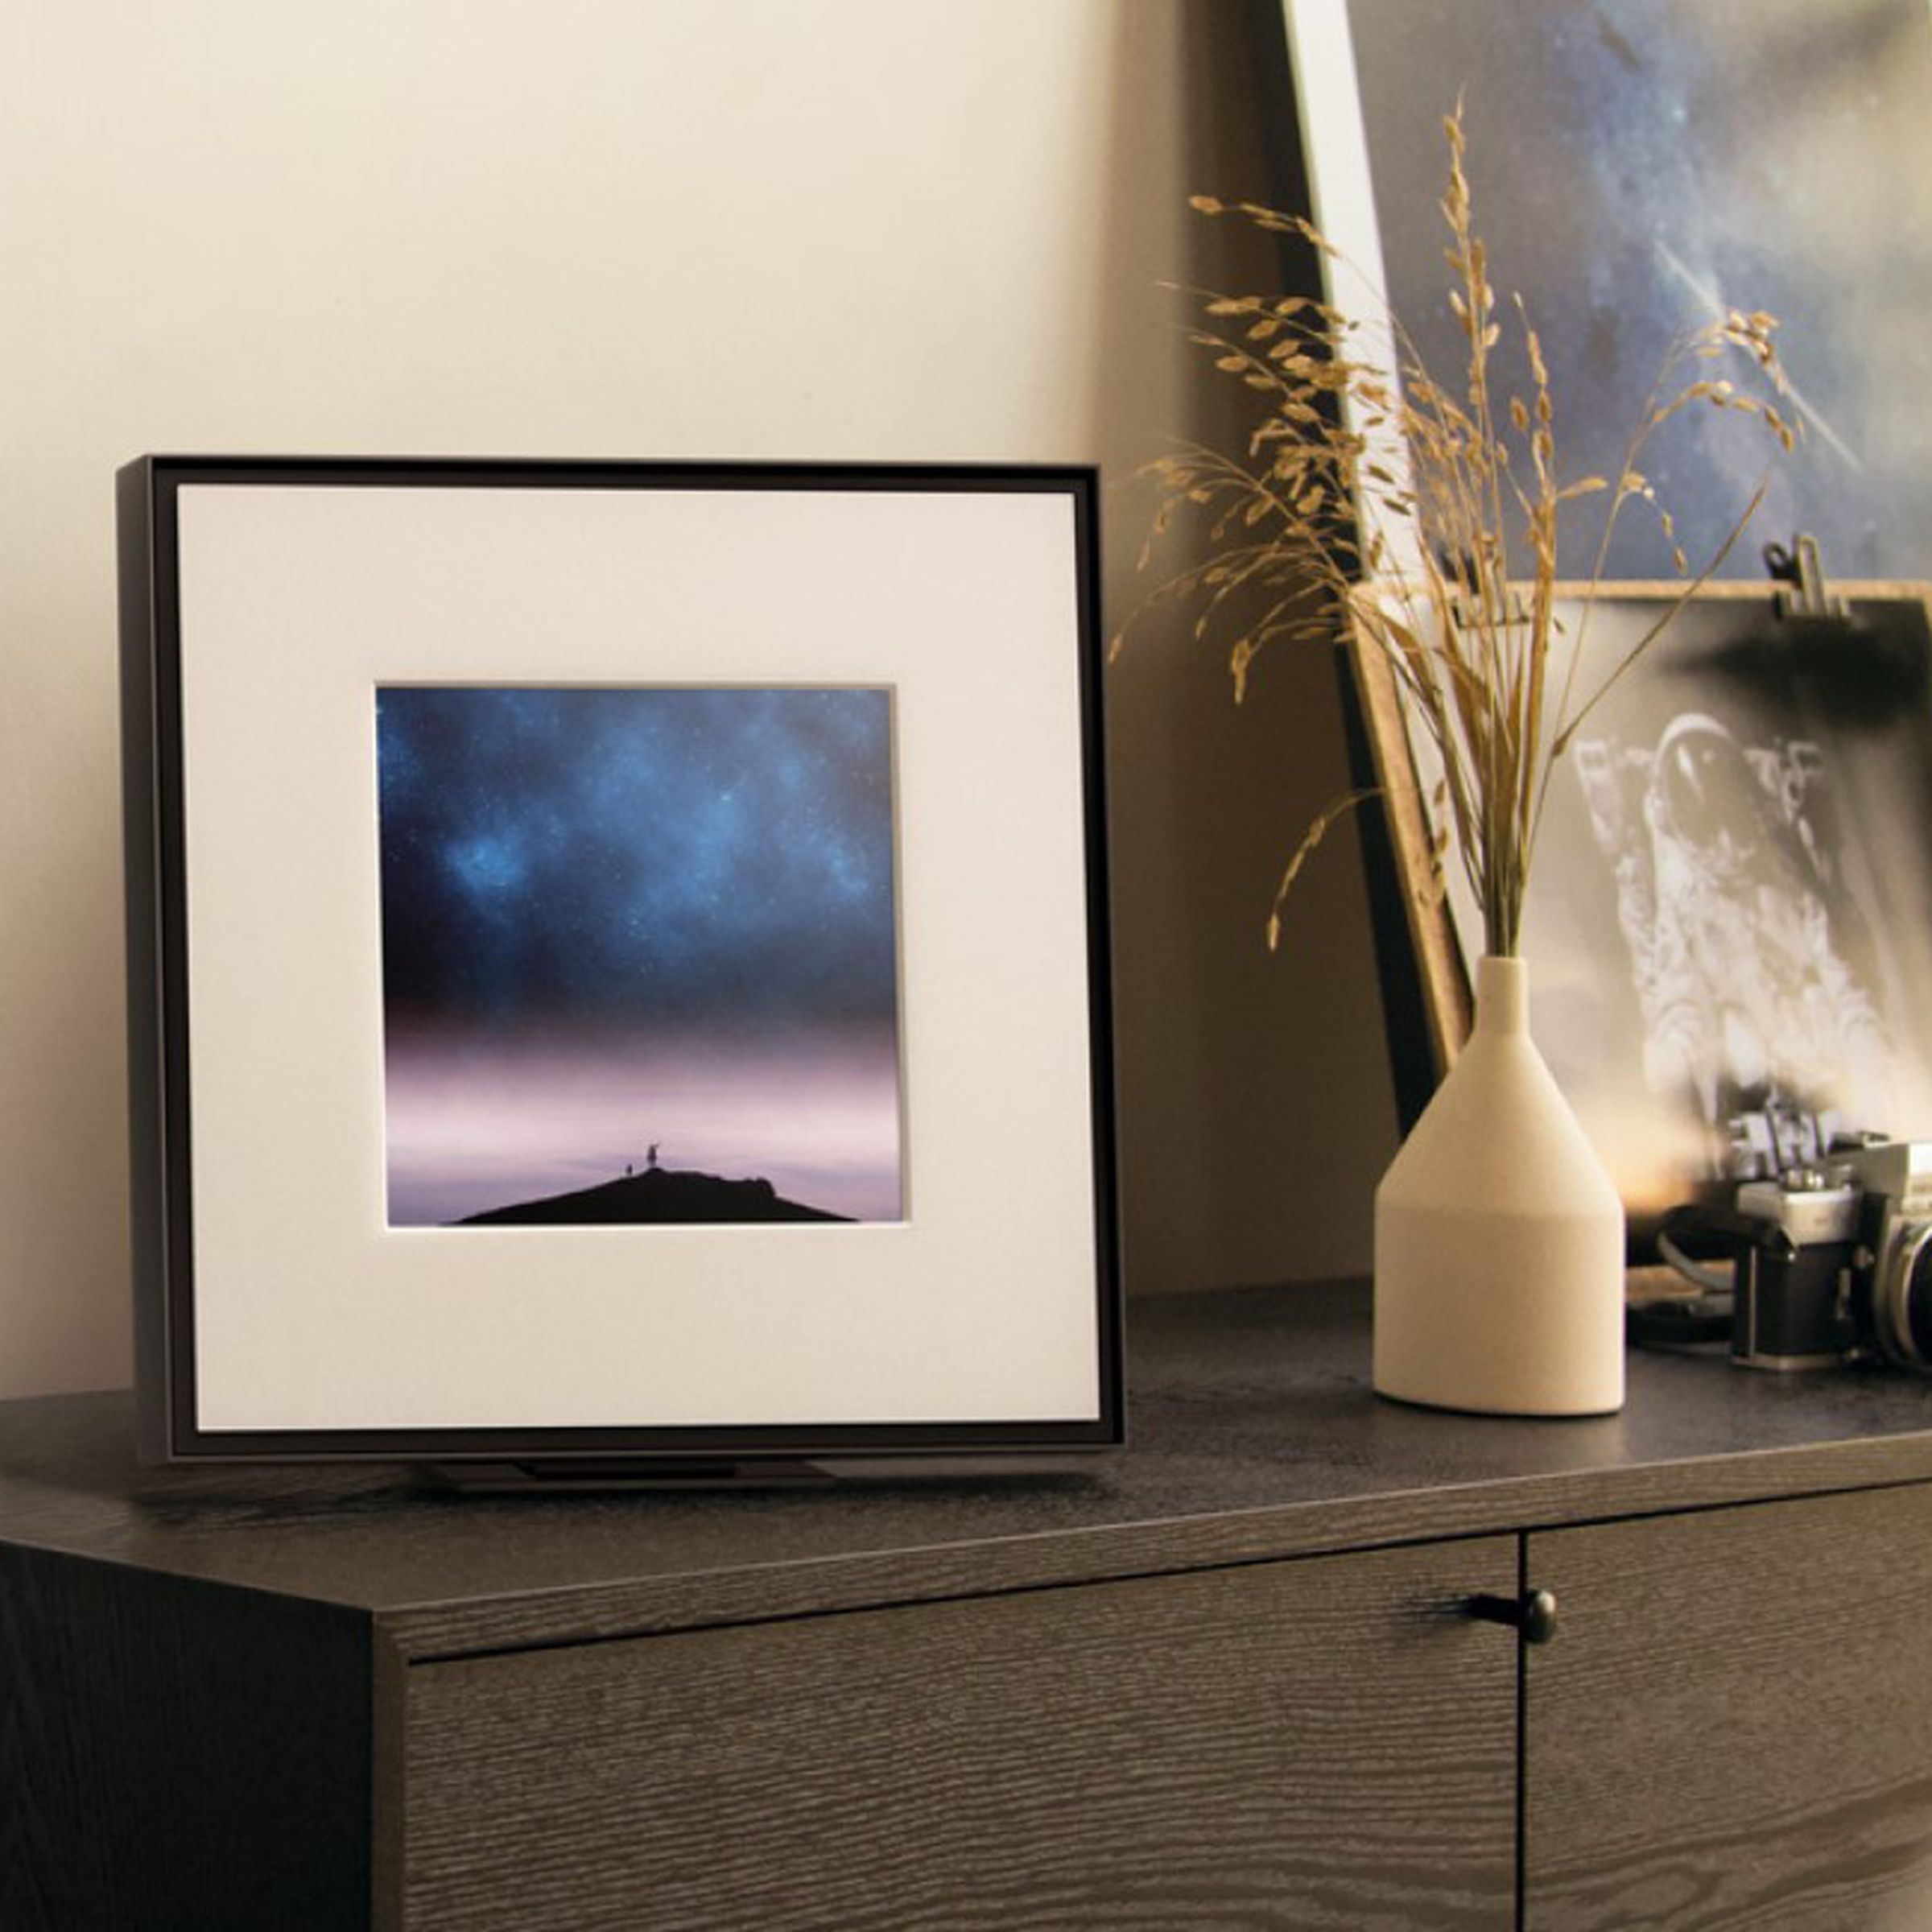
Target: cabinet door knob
x=1533, y=1613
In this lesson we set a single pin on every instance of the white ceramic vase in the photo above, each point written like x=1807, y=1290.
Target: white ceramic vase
x=1499, y=1238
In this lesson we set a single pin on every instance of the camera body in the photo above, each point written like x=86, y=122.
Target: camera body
x=1833, y=1263
x=1792, y=1275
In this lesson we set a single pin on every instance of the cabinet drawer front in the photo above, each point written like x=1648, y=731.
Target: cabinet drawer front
x=1734, y=1727
x=1329, y=1742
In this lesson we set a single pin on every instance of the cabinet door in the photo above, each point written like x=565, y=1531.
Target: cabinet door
x=1734, y=1725
x=1324, y=1743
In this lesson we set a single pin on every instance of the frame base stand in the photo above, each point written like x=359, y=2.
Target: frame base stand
x=569, y=1477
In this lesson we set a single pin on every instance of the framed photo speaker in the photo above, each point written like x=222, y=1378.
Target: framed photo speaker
x=618, y=961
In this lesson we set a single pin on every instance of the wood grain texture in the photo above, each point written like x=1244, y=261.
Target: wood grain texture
x=1446, y=999
x=175, y=1756
x=1254, y=1436
x=1733, y=1729
x=223, y=1704
x=389, y=1788
x=1323, y=1743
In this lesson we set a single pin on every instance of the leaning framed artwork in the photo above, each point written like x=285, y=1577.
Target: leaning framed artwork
x=618, y=960
x=1730, y=920
x=1629, y=181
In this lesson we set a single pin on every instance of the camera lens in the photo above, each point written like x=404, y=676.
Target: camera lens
x=1905, y=1299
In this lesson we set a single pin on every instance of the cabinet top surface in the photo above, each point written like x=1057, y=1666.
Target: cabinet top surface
x=1253, y=1434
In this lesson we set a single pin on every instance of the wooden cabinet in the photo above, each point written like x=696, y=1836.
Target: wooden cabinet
x=1227, y=1678
x=1735, y=1729
x=1329, y=1742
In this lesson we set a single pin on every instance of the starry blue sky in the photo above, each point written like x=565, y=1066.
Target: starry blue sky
x=1635, y=163
x=617, y=918
x=648, y=856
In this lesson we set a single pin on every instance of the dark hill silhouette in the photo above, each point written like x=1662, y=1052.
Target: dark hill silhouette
x=659, y=1194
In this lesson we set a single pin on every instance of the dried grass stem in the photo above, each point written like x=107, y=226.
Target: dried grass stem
x=1316, y=526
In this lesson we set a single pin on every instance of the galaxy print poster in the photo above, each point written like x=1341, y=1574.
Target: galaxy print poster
x=640, y=955
x=1636, y=166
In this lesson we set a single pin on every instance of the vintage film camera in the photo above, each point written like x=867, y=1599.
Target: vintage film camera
x=1831, y=1263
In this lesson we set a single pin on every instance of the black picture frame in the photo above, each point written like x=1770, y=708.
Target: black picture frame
x=281, y=1312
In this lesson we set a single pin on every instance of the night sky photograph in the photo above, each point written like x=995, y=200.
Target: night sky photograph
x=1636, y=165
x=640, y=955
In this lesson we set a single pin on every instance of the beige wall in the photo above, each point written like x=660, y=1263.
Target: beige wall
x=840, y=229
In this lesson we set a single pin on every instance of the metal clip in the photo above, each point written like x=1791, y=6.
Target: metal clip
x=1801, y=568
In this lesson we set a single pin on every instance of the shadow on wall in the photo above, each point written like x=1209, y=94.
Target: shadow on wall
x=1256, y=1108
